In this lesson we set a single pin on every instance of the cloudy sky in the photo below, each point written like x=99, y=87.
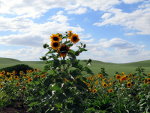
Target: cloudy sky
x=114, y=30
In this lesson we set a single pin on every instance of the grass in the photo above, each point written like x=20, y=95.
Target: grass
x=110, y=68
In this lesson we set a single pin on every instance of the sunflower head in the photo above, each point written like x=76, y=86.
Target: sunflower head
x=17, y=84
x=55, y=45
x=63, y=50
x=100, y=75
x=124, y=77
x=93, y=90
x=1, y=85
x=70, y=34
x=104, y=84
x=129, y=84
x=110, y=90
x=55, y=37
x=147, y=81
x=118, y=76
x=74, y=38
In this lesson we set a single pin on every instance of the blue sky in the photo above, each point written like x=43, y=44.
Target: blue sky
x=115, y=31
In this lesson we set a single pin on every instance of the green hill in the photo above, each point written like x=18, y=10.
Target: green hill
x=8, y=60
x=145, y=63
x=96, y=66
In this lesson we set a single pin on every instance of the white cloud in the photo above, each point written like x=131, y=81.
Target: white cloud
x=115, y=50
x=34, y=34
x=36, y=8
x=115, y=43
x=106, y=15
x=78, y=11
x=137, y=20
x=59, y=17
x=25, y=54
x=131, y=1
x=98, y=4
x=14, y=24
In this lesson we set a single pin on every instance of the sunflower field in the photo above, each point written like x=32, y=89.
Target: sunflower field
x=66, y=86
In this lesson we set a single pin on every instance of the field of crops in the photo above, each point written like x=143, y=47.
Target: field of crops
x=61, y=83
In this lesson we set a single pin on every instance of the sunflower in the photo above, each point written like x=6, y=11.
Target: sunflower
x=16, y=77
x=23, y=88
x=118, y=76
x=55, y=45
x=29, y=80
x=129, y=84
x=63, y=50
x=100, y=75
x=124, y=77
x=104, y=84
x=110, y=90
x=43, y=76
x=94, y=91
x=74, y=38
x=18, y=84
x=147, y=81
x=1, y=85
x=55, y=37
x=70, y=34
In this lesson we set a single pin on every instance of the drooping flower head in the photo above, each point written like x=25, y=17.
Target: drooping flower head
x=63, y=50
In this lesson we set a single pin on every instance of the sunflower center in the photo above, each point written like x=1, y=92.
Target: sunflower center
x=55, y=44
x=75, y=38
x=129, y=84
x=55, y=38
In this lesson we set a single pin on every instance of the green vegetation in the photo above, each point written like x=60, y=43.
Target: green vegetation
x=110, y=68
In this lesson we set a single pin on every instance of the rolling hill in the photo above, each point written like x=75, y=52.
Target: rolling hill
x=96, y=66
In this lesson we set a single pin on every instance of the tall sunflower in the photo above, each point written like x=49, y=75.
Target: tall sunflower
x=55, y=38
x=63, y=50
x=74, y=38
x=55, y=45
